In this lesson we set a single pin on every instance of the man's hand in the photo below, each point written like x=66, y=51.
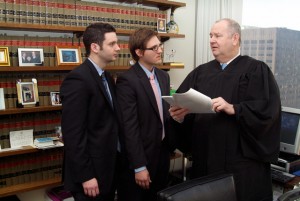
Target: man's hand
x=178, y=113
x=91, y=188
x=142, y=179
x=220, y=105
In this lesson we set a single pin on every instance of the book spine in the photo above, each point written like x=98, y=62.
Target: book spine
x=43, y=11
x=2, y=13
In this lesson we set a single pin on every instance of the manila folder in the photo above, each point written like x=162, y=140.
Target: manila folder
x=193, y=100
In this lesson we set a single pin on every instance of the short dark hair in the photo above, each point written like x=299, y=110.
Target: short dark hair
x=95, y=33
x=139, y=40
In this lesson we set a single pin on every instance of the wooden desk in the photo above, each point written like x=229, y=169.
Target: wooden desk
x=290, y=185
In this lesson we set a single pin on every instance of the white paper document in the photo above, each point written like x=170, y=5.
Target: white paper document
x=21, y=138
x=193, y=100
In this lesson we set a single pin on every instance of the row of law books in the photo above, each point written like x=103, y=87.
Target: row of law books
x=38, y=166
x=79, y=13
x=46, y=83
x=48, y=44
x=44, y=124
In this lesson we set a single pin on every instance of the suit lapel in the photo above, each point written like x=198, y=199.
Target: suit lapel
x=147, y=86
x=98, y=80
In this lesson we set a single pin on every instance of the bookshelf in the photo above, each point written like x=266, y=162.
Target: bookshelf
x=12, y=69
x=29, y=186
x=76, y=30
x=10, y=113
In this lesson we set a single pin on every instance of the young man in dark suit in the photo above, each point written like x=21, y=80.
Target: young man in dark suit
x=90, y=119
x=146, y=162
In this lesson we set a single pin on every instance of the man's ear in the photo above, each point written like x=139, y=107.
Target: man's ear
x=236, y=38
x=139, y=52
x=95, y=47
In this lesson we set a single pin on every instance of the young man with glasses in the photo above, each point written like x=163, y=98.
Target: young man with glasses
x=146, y=160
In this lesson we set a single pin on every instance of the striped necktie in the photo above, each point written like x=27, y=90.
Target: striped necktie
x=104, y=81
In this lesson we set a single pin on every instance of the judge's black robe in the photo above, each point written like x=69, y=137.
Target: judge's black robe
x=245, y=143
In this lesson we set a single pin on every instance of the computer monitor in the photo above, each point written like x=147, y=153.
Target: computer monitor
x=290, y=130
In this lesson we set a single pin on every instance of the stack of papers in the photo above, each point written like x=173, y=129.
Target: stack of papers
x=192, y=100
x=47, y=142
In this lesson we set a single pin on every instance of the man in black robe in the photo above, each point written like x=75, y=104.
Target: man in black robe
x=242, y=137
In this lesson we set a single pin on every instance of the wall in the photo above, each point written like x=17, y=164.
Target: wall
x=185, y=47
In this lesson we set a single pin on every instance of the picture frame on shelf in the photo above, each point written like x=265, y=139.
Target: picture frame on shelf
x=4, y=56
x=27, y=93
x=68, y=55
x=161, y=25
x=31, y=56
x=55, y=98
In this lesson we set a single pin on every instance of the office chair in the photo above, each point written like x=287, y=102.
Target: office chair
x=293, y=195
x=219, y=187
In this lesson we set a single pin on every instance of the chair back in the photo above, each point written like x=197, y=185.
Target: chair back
x=219, y=187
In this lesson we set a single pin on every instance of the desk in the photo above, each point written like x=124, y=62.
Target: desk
x=279, y=188
x=290, y=185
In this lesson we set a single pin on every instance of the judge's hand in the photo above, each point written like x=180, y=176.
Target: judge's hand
x=91, y=188
x=142, y=179
x=178, y=113
x=220, y=105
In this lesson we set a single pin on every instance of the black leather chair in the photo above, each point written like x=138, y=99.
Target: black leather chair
x=219, y=187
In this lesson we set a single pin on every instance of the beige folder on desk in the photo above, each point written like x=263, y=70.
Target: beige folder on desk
x=193, y=100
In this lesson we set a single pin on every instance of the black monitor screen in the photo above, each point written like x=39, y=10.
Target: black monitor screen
x=289, y=126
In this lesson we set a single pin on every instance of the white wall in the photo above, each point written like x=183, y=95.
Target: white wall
x=185, y=47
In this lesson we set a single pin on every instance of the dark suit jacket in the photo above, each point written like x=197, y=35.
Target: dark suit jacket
x=141, y=121
x=90, y=128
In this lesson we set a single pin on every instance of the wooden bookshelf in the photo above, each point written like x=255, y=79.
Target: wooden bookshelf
x=17, y=69
x=29, y=110
x=13, y=152
x=68, y=29
x=11, y=190
x=14, y=189
x=164, y=5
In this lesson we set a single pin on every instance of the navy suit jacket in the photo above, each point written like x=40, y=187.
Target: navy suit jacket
x=141, y=121
x=90, y=128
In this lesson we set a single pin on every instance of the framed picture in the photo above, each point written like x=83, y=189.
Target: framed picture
x=4, y=56
x=27, y=93
x=66, y=55
x=161, y=25
x=31, y=56
x=55, y=98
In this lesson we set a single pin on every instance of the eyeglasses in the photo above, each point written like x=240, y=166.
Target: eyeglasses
x=155, y=48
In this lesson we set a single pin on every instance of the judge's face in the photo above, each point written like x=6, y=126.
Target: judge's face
x=109, y=50
x=224, y=44
x=151, y=57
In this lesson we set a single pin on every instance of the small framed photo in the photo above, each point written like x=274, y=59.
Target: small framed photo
x=66, y=55
x=31, y=56
x=27, y=93
x=4, y=56
x=55, y=98
x=161, y=25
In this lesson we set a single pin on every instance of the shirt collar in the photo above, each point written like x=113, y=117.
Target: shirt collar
x=232, y=58
x=148, y=73
x=98, y=69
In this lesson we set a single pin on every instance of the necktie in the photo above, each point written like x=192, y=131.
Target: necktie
x=223, y=66
x=158, y=101
x=104, y=81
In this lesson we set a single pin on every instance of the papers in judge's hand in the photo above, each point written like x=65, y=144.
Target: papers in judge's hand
x=192, y=100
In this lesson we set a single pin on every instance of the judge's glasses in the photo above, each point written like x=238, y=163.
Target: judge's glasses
x=155, y=48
